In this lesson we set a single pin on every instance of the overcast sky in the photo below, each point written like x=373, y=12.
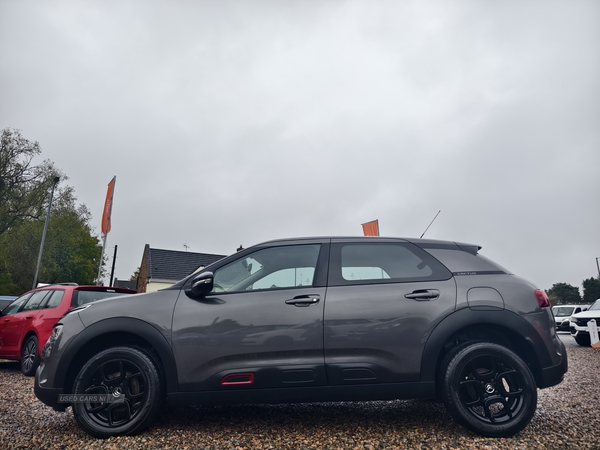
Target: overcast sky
x=231, y=123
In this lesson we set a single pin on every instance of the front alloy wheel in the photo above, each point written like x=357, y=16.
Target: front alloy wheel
x=490, y=390
x=117, y=392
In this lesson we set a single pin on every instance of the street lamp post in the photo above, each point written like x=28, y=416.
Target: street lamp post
x=37, y=269
x=598, y=266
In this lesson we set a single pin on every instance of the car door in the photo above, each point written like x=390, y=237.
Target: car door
x=9, y=324
x=15, y=325
x=400, y=291
x=260, y=327
x=52, y=309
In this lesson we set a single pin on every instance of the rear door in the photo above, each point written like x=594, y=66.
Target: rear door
x=383, y=300
x=260, y=327
x=52, y=309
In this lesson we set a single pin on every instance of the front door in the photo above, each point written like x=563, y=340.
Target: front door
x=260, y=327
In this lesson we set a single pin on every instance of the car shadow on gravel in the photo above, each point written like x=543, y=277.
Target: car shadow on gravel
x=10, y=366
x=309, y=419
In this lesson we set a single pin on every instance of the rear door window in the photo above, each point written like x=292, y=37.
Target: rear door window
x=55, y=299
x=368, y=263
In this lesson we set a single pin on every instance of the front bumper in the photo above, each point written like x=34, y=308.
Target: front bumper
x=47, y=395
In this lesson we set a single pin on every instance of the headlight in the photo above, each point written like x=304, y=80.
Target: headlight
x=56, y=332
x=572, y=319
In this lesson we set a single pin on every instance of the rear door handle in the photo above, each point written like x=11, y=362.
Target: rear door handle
x=303, y=300
x=423, y=295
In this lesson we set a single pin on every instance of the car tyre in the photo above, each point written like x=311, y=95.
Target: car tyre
x=489, y=389
x=30, y=356
x=584, y=341
x=128, y=373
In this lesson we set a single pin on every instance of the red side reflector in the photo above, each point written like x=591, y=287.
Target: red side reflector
x=234, y=379
x=542, y=298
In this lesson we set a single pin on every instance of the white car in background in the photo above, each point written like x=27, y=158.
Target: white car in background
x=579, y=323
x=562, y=314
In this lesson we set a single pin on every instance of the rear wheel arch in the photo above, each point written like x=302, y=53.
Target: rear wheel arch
x=500, y=327
x=116, y=332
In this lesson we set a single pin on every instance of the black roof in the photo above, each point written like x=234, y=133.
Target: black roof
x=172, y=265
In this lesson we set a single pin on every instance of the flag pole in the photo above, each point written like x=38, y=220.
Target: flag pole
x=98, y=282
x=105, y=228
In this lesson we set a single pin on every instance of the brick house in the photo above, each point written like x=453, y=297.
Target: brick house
x=163, y=268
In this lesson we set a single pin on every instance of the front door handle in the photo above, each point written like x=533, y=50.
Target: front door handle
x=303, y=300
x=423, y=295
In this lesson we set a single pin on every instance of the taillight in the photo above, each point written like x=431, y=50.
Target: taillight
x=542, y=298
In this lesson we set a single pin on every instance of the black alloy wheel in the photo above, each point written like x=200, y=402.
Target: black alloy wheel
x=30, y=356
x=117, y=392
x=489, y=389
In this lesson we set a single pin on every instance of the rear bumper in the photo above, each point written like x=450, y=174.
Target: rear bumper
x=551, y=376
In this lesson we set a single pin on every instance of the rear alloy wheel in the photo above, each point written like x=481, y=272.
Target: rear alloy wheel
x=584, y=341
x=30, y=356
x=118, y=392
x=489, y=389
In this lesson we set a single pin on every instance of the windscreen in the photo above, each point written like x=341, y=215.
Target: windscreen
x=563, y=311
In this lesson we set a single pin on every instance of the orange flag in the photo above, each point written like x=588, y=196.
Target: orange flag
x=371, y=228
x=108, y=206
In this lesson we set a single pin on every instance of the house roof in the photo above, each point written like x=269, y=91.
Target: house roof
x=172, y=265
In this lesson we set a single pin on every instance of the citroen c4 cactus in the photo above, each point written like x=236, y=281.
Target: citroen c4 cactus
x=313, y=320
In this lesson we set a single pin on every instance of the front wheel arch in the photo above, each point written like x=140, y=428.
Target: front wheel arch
x=115, y=332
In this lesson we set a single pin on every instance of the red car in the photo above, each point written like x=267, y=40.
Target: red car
x=26, y=324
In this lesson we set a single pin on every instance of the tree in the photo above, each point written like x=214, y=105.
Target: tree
x=135, y=275
x=563, y=293
x=7, y=287
x=591, y=290
x=24, y=187
x=71, y=251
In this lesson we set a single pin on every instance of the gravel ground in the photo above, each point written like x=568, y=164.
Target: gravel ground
x=567, y=417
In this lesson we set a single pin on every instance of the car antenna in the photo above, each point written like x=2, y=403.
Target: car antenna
x=430, y=223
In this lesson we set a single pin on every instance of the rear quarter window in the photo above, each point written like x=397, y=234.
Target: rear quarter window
x=458, y=261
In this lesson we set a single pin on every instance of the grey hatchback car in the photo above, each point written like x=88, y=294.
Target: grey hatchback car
x=313, y=320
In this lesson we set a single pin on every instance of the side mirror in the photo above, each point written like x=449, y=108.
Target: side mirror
x=201, y=285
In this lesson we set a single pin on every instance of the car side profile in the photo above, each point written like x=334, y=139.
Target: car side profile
x=313, y=320
x=26, y=323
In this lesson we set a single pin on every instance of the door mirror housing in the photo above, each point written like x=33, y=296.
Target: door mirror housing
x=200, y=285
